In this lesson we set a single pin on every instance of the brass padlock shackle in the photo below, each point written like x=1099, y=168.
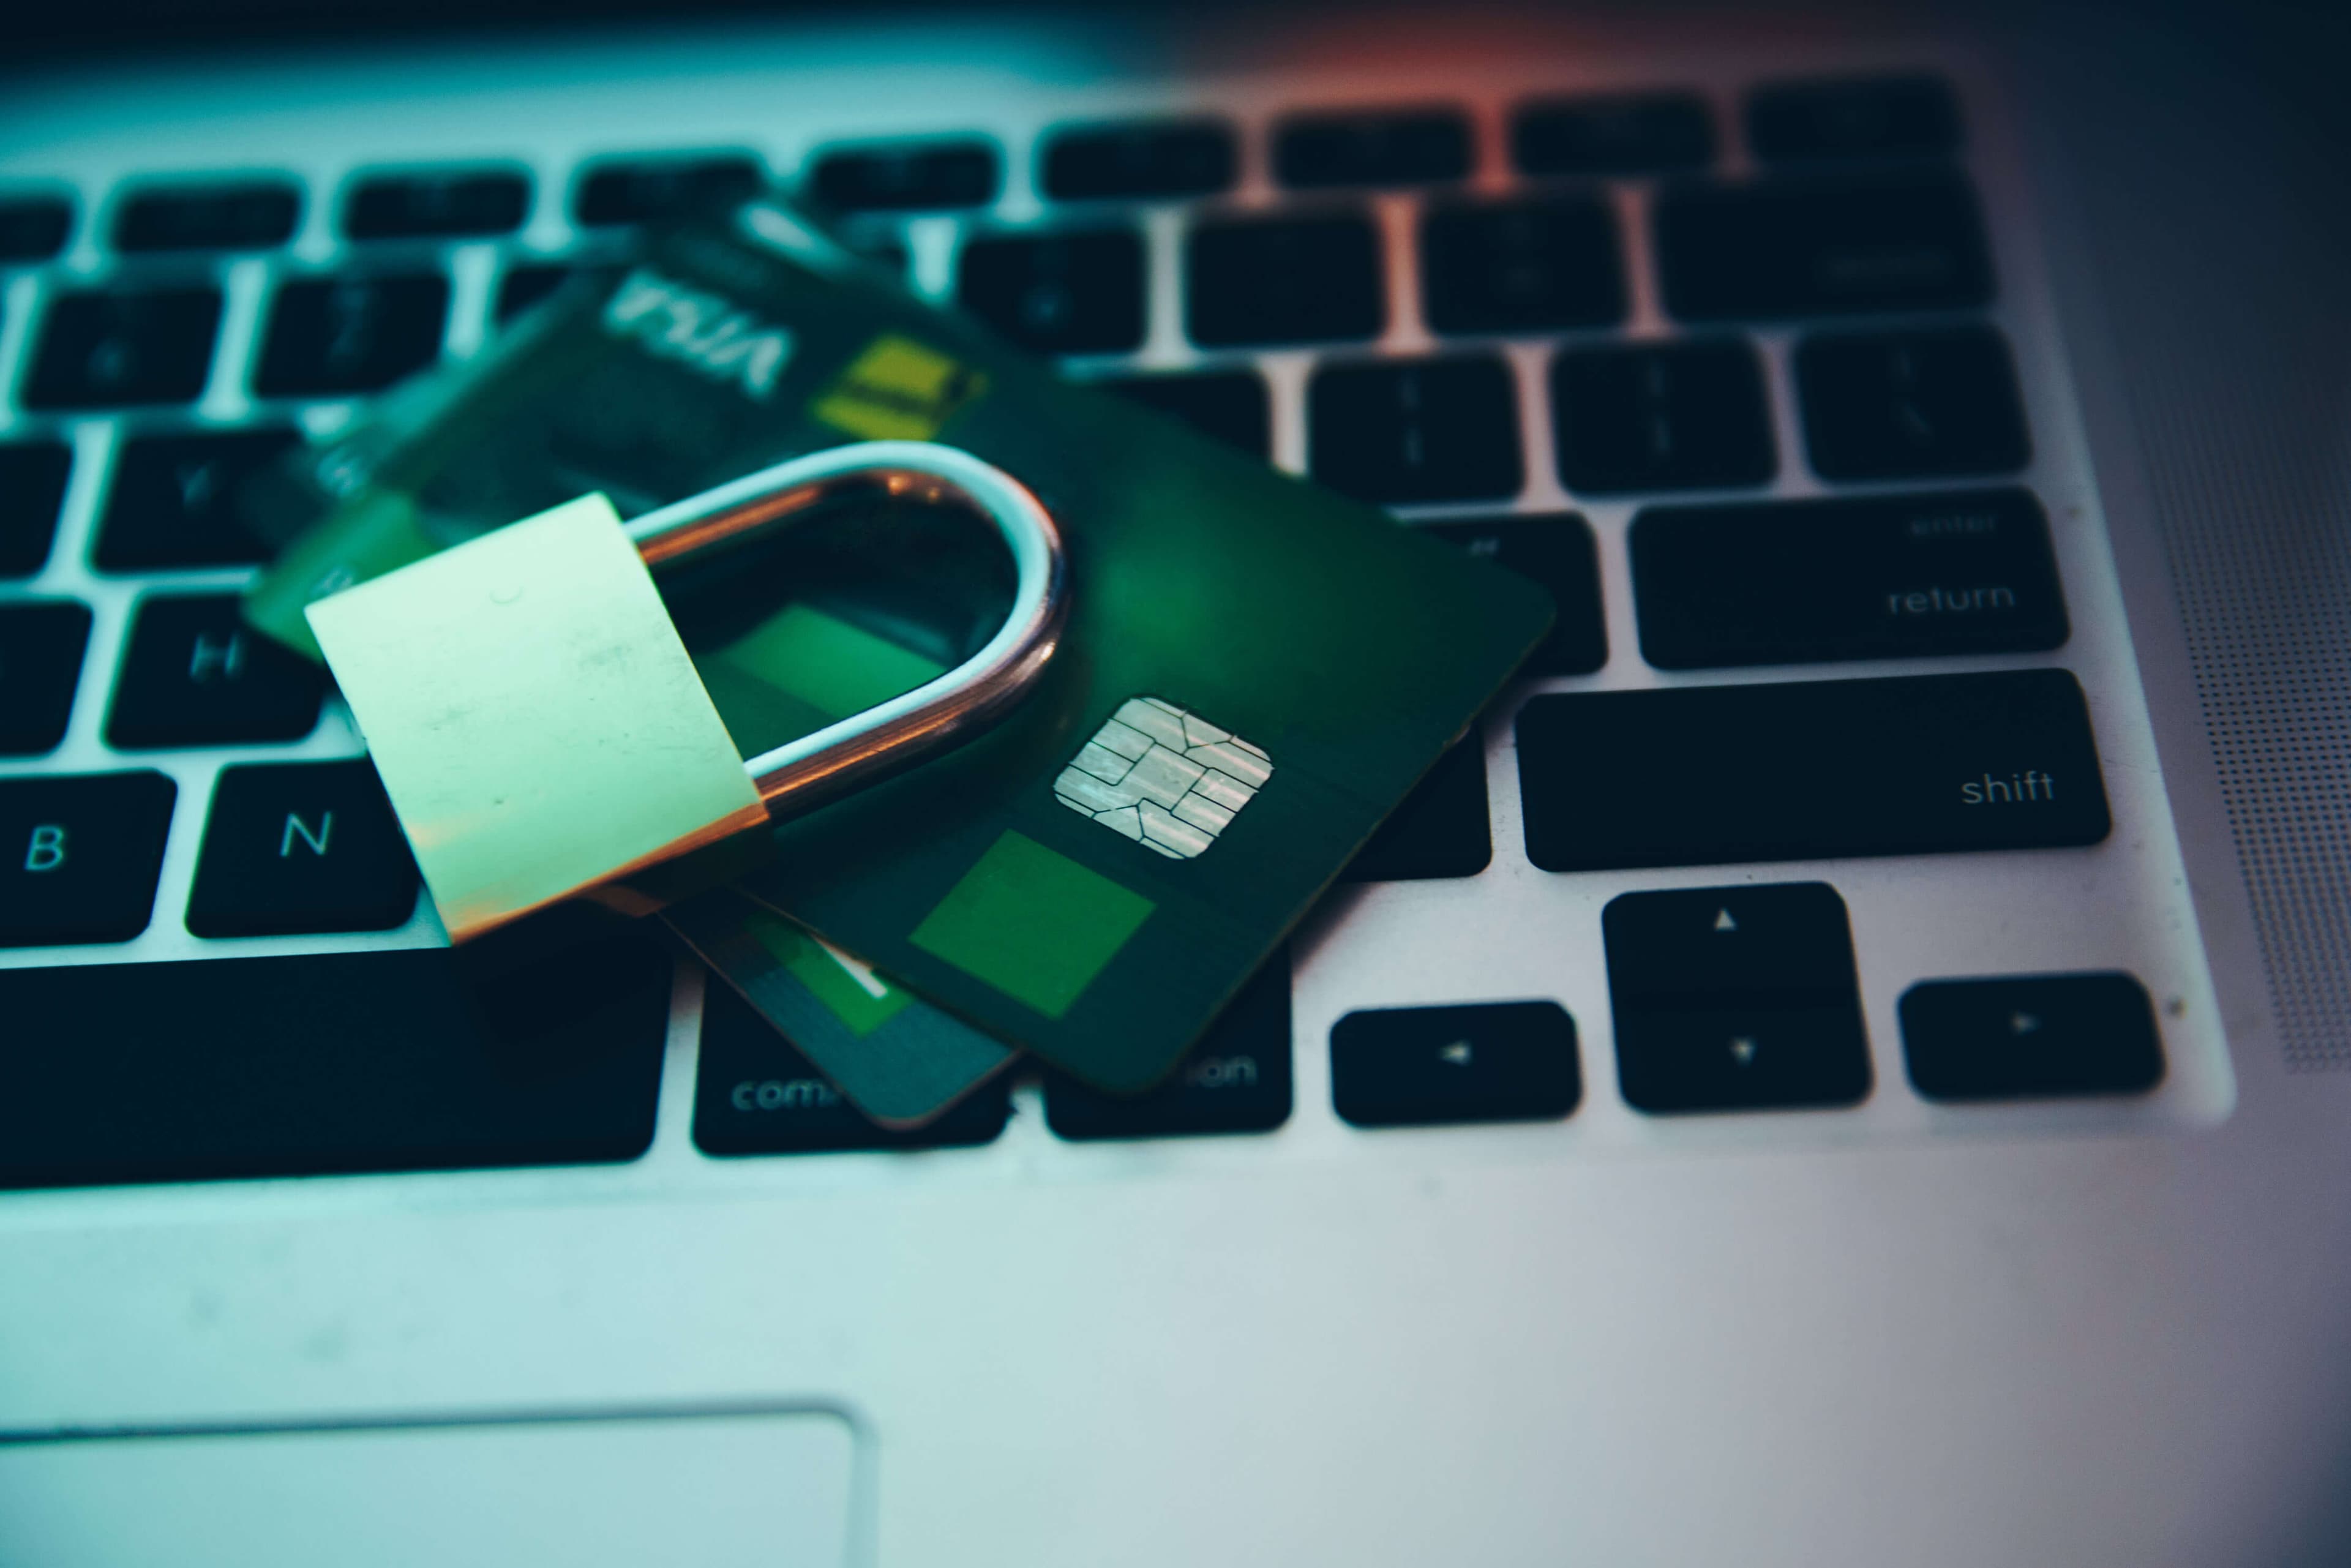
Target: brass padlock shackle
x=816, y=767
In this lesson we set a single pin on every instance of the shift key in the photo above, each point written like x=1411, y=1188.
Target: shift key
x=1809, y=770
x=1882, y=577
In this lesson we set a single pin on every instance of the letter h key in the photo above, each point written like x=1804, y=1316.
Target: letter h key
x=539, y=724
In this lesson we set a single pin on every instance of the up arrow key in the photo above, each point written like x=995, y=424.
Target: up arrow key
x=1723, y=921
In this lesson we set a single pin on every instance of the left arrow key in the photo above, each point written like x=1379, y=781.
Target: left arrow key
x=1492, y=1062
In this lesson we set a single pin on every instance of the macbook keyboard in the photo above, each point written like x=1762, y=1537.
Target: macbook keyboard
x=1831, y=792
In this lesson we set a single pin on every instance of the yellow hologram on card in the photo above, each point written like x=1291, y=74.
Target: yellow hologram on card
x=897, y=389
x=536, y=719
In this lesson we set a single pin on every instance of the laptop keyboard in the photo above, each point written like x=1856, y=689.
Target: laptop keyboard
x=1842, y=220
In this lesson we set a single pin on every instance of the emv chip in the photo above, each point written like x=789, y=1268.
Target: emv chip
x=1163, y=777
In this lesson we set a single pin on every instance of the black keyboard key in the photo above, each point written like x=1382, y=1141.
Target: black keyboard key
x=1757, y=945
x=1738, y=1059
x=34, y=227
x=1416, y=430
x=640, y=190
x=531, y=282
x=1520, y=266
x=2031, y=1037
x=173, y=501
x=1489, y=1062
x=78, y=858
x=41, y=645
x=328, y=1063
x=1558, y=552
x=1719, y=775
x=439, y=205
x=301, y=846
x=906, y=177
x=1079, y=293
x=196, y=676
x=754, y=1094
x=1284, y=280
x=1237, y=1080
x=1231, y=405
x=1440, y=829
x=524, y=286
x=329, y=337
x=1892, y=576
x=888, y=255
x=1853, y=116
x=1643, y=133
x=1142, y=161
x=1902, y=405
x=1407, y=147
x=122, y=348
x=33, y=477
x=1735, y=999
x=1677, y=416
x=244, y=215
x=1821, y=246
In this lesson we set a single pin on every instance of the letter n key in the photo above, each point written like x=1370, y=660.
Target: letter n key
x=296, y=828
x=301, y=846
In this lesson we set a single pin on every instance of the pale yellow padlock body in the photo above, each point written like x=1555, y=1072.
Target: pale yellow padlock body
x=538, y=723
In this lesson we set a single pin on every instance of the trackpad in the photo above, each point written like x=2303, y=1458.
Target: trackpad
x=768, y=1488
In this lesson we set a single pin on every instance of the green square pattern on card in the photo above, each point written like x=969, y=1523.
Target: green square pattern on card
x=1035, y=924
x=800, y=669
x=834, y=667
x=861, y=999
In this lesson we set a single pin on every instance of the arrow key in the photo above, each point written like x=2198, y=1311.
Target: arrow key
x=2031, y=1036
x=1491, y=1062
x=1776, y=944
x=1735, y=999
x=1744, y=1059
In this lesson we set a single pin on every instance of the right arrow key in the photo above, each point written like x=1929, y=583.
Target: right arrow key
x=2031, y=1037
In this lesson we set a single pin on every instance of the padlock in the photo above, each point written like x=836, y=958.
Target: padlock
x=539, y=724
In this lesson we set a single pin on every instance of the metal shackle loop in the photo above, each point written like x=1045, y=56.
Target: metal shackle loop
x=818, y=767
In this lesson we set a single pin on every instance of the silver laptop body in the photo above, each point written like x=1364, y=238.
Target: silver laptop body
x=1917, y=1326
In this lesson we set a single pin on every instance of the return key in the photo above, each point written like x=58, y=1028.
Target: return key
x=1882, y=577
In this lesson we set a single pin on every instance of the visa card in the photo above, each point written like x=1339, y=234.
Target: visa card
x=1253, y=673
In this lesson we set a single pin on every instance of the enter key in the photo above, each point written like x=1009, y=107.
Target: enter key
x=1880, y=577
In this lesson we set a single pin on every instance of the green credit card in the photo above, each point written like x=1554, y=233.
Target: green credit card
x=1253, y=673
x=898, y=1059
